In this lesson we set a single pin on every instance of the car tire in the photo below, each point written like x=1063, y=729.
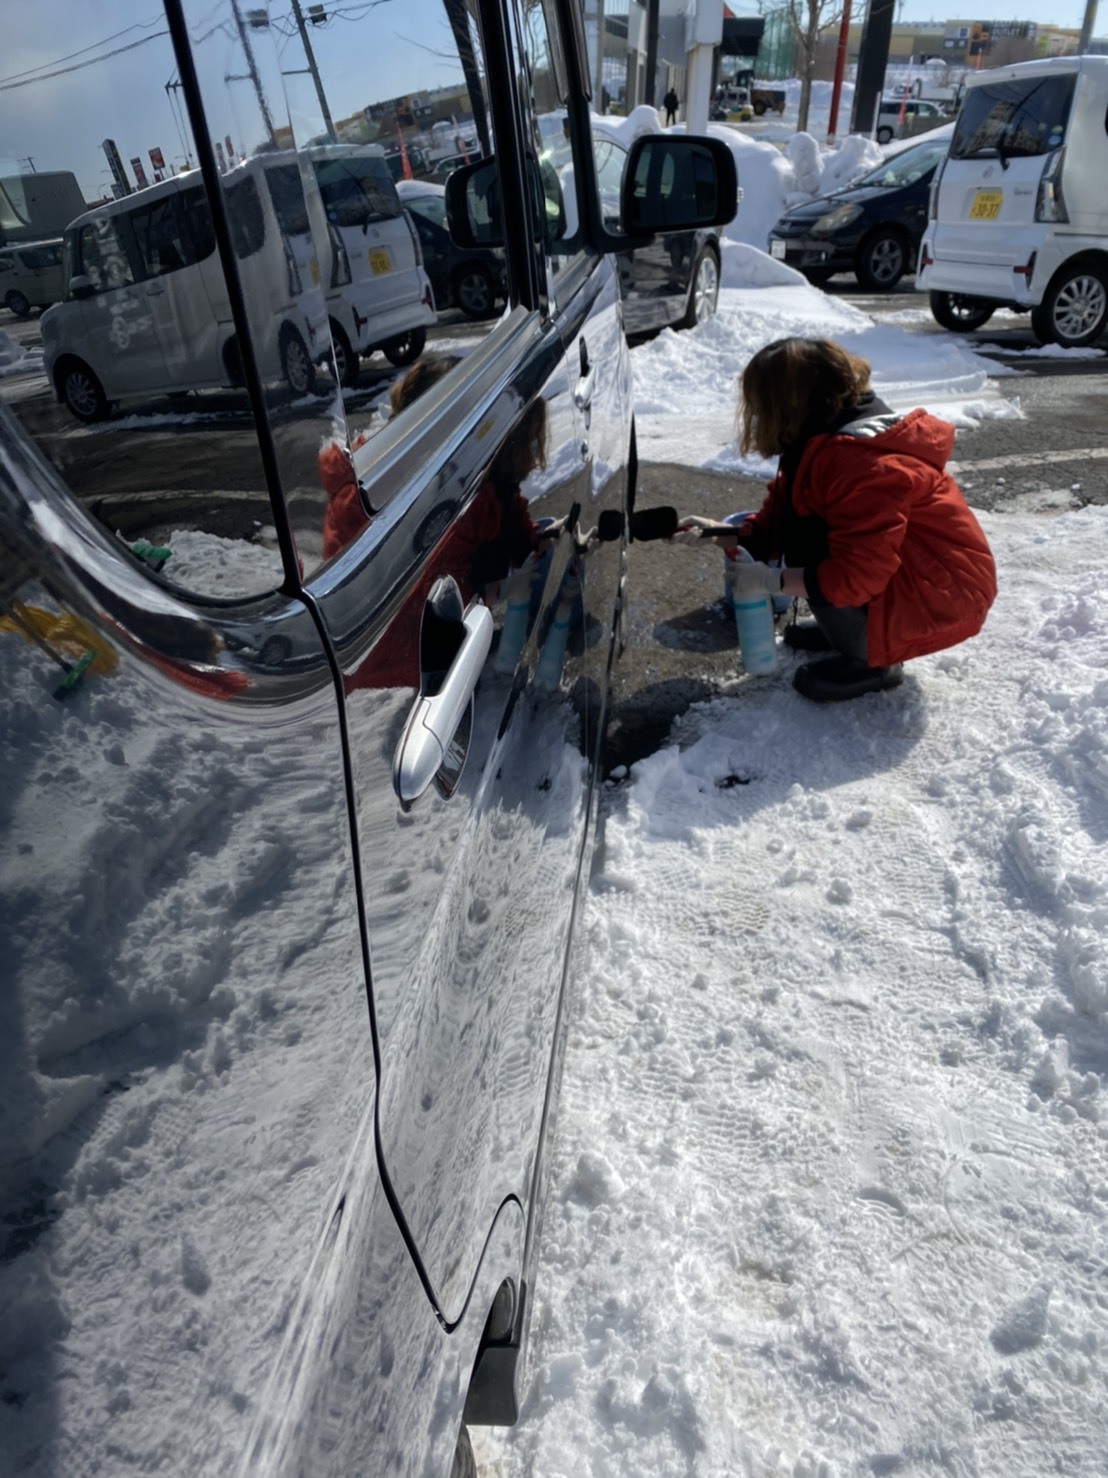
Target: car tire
x=296, y=362
x=465, y=1464
x=18, y=304
x=405, y=348
x=81, y=391
x=1074, y=309
x=348, y=367
x=703, y=289
x=881, y=260
x=474, y=290
x=884, y=134
x=818, y=276
x=759, y=107
x=959, y=312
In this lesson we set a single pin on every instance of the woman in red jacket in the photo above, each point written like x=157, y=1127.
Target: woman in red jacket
x=873, y=531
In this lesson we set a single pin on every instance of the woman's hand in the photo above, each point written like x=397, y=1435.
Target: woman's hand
x=694, y=527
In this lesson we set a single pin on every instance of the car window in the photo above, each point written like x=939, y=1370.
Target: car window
x=174, y=232
x=907, y=168
x=1027, y=116
x=101, y=256
x=357, y=190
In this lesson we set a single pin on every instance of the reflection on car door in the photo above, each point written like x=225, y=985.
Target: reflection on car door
x=116, y=322
x=174, y=238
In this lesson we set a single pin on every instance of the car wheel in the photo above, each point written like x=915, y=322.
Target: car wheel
x=18, y=304
x=881, y=261
x=960, y=313
x=82, y=391
x=465, y=1464
x=348, y=367
x=405, y=347
x=703, y=289
x=759, y=107
x=1074, y=311
x=296, y=364
x=474, y=291
x=817, y=276
x=884, y=134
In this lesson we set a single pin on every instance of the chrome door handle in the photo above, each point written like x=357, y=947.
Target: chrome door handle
x=434, y=720
x=582, y=396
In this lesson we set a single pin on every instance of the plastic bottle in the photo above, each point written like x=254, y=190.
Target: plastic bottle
x=754, y=624
x=517, y=617
x=548, y=673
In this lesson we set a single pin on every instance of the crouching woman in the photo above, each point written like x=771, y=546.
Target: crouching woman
x=873, y=531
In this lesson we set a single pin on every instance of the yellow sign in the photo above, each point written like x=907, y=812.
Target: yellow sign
x=986, y=205
x=380, y=261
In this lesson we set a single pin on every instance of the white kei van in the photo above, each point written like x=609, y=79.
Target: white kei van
x=31, y=275
x=146, y=308
x=349, y=224
x=1019, y=210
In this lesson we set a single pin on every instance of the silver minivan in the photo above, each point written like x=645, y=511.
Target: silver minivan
x=302, y=704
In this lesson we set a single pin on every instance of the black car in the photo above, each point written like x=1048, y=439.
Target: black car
x=472, y=280
x=871, y=227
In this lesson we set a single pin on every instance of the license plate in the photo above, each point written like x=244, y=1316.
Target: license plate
x=777, y=249
x=986, y=205
x=379, y=262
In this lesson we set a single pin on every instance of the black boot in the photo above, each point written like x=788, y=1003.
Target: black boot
x=836, y=679
x=806, y=636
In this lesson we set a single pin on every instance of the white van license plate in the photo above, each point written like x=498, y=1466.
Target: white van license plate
x=379, y=261
x=777, y=249
x=986, y=205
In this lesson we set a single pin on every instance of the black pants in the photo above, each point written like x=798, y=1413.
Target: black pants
x=844, y=627
x=671, y=116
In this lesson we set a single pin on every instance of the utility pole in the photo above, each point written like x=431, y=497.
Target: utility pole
x=873, y=58
x=253, y=70
x=312, y=68
x=1087, y=27
x=651, y=51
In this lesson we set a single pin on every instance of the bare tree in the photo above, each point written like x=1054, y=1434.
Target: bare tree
x=807, y=18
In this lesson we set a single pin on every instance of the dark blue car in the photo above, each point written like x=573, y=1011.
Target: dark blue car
x=871, y=227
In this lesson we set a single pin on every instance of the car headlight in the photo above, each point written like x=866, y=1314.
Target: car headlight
x=835, y=220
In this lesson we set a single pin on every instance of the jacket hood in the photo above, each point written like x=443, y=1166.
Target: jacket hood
x=918, y=434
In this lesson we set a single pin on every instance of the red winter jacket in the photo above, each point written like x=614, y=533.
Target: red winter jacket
x=898, y=536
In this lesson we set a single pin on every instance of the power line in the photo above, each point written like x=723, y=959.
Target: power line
x=77, y=66
x=139, y=26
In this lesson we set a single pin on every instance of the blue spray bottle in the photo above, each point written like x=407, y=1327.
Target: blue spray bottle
x=754, y=624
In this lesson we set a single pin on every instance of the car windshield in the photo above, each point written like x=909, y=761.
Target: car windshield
x=431, y=207
x=906, y=168
x=1025, y=117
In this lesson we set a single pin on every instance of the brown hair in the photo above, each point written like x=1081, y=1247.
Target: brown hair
x=793, y=388
x=422, y=375
x=525, y=448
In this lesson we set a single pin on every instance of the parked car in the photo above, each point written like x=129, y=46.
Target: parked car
x=1020, y=215
x=901, y=118
x=871, y=227
x=473, y=281
x=146, y=311
x=295, y=818
x=31, y=275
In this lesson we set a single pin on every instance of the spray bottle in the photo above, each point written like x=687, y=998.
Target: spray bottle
x=754, y=623
x=548, y=673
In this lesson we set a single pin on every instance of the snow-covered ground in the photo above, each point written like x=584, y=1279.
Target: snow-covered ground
x=830, y=1179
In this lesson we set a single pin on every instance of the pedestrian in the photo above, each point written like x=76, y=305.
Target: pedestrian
x=872, y=530
x=671, y=102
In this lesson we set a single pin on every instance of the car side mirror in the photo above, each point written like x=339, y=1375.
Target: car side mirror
x=678, y=183
x=474, y=214
x=81, y=286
